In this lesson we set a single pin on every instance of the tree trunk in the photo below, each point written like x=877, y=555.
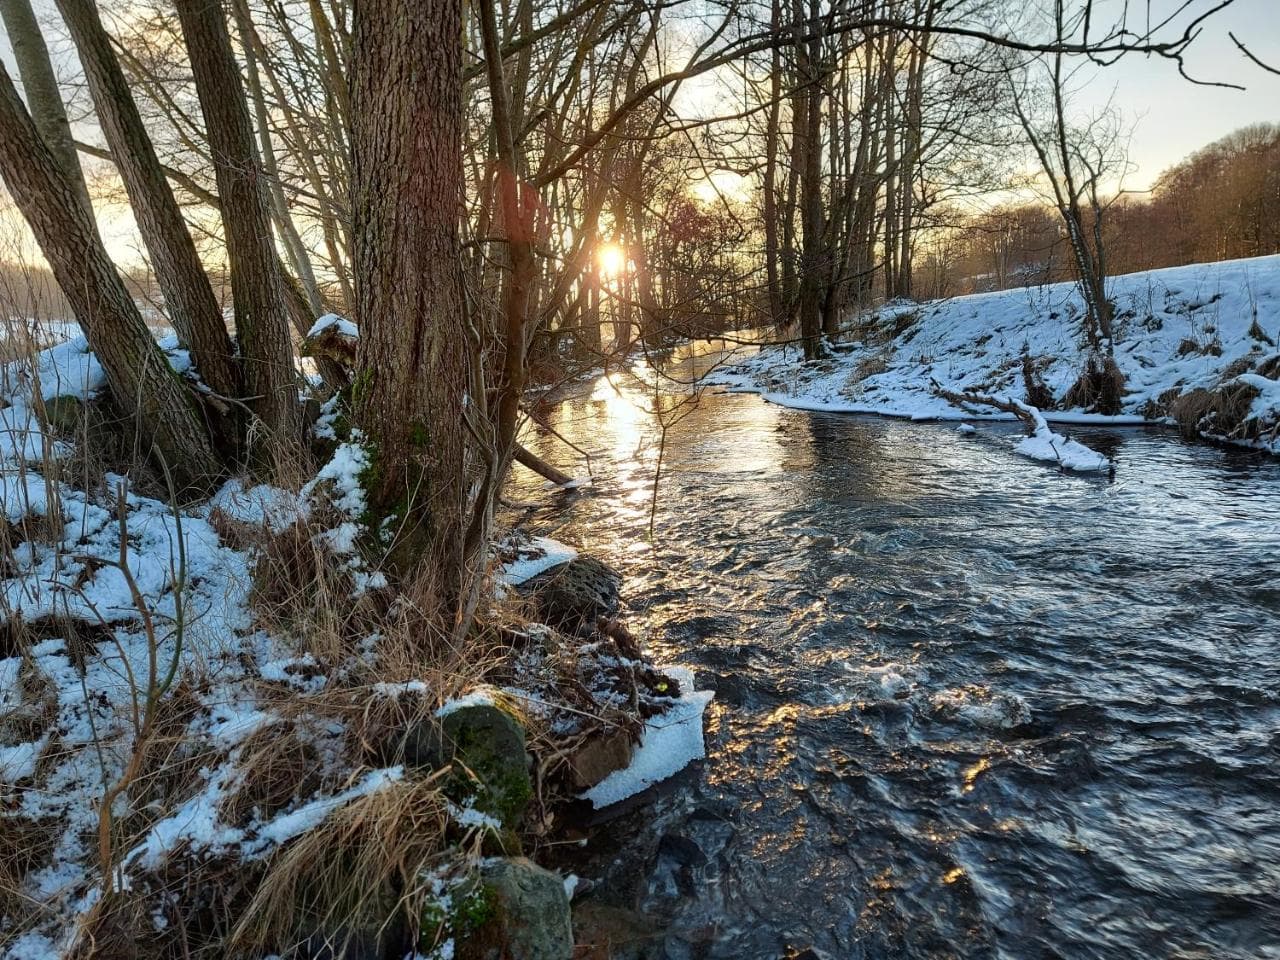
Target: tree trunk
x=407, y=194
x=769, y=190
x=262, y=322
x=288, y=231
x=188, y=296
x=44, y=100
x=808, y=154
x=141, y=380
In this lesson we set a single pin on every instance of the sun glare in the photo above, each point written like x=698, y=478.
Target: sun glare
x=612, y=259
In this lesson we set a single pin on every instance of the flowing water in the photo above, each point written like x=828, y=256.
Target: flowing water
x=966, y=706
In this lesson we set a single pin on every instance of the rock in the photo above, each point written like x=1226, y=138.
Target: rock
x=607, y=751
x=604, y=932
x=531, y=918
x=65, y=415
x=487, y=748
x=576, y=594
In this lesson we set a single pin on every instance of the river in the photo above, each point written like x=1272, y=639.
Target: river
x=966, y=705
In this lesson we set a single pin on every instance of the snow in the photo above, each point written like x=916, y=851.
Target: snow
x=197, y=826
x=668, y=744
x=480, y=697
x=537, y=556
x=310, y=815
x=468, y=817
x=19, y=761
x=261, y=505
x=339, y=485
x=342, y=473
x=1267, y=402
x=1044, y=444
x=1177, y=330
x=340, y=325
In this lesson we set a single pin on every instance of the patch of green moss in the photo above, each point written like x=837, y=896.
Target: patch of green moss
x=468, y=907
x=490, y=769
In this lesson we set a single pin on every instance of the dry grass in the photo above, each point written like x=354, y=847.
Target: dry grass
x=1100, y=387
x=868, y=367
x=359, y=873
x=1038, y=393
x=360, y=869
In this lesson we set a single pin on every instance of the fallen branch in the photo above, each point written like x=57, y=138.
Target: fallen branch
x=1041, y=442
x=527, y=458
x=1027, y=414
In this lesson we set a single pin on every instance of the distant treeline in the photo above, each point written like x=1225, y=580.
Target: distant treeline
x=28, y=293
x=1220, y=203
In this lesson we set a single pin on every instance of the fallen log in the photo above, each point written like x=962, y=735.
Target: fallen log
x=527, y=458
x=1028, y=415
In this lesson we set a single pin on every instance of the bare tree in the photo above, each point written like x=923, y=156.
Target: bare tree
x=142, y=382
x=40, y=84
x=262, y=320
x=1076, y=159
x=188, y=296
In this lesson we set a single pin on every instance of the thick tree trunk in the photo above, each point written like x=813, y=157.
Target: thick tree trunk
x=141, y=380
x=188, y=296
x=407, y=194
x=262, y=322
x=44, y=99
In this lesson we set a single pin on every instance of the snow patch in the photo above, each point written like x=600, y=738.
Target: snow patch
x=669, y=743
x=537, y=556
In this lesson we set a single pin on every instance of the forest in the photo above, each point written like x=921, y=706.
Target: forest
x=549, y=479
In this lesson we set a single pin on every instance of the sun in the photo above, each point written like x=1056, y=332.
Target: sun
x=612, y=259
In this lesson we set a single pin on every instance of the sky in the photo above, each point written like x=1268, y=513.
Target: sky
x=1169, y=117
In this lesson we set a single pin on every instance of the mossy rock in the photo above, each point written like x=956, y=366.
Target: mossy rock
x=486, y=746
x=576, y=593
x=510, y=909
x=466, y=914
x=530, y=917
x=64, y=415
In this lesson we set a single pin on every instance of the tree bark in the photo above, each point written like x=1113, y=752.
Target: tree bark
x=288, y=231
x=808, y=154
x=262, y=322
x=44, y=99
x=192, y=307
x=141, y=380
x=770, y=195
x=412, y=388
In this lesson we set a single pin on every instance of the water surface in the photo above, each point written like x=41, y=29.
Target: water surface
x=967, y=706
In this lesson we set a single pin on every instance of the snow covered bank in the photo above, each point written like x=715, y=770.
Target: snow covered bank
x=1179, y=331
x=670, y=742
x=215, y=687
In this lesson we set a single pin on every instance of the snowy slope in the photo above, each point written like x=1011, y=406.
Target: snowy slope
x=1178, y=329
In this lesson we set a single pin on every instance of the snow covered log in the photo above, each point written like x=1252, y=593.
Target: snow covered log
x=1041, y=443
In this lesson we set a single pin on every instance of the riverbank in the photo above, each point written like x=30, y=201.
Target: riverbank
x=1197, y=346
x=293, y=762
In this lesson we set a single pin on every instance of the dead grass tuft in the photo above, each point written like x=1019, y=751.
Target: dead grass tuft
x=1038, y=393
x=356, y=875
x=1100, y=387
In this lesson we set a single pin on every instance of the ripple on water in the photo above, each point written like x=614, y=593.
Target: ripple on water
x=966, y=706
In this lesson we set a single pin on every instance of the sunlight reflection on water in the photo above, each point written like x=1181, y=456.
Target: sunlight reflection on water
x=966, y=705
